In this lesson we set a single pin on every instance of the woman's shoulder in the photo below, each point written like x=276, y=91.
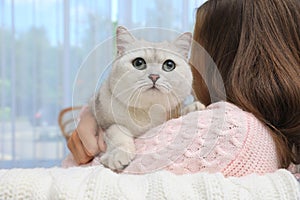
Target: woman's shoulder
x=220, y=138
x=227, y=113
x=257, y=153
x=228, y=117
x=218, y=117
x=230, y=112
x=226, y=106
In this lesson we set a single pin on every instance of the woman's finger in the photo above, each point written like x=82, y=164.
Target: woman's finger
x=81, y=156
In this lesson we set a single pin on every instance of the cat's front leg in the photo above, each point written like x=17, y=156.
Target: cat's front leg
x=120, y=148
x=196, y=105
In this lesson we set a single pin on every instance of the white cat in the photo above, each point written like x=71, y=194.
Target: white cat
x=146, y=86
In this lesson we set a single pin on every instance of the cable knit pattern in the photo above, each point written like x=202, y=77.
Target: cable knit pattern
x=101, y=183
x=222, y=138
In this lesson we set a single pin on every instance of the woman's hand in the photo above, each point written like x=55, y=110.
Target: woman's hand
x=87, y=140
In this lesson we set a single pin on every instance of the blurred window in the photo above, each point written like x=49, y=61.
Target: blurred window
x=42, y=46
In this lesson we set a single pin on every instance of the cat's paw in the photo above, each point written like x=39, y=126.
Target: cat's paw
x=117, y=159
x=196, y=105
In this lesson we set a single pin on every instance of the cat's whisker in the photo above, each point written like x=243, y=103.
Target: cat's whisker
x=125, y=91
x=136, y=97
x=167, y=87
x=138, y=92
x=175, y=97
x=133, y=88
x=135, y=93
x=141, y=81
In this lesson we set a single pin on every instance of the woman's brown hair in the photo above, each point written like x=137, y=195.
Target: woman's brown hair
x=255, y=45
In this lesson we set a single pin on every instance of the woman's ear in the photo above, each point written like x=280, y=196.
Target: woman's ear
x=123, y=39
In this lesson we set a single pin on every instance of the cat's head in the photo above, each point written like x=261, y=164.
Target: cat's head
x=146, y=73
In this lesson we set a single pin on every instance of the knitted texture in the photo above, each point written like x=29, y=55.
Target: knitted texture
x=222, y=138
x=101, y=183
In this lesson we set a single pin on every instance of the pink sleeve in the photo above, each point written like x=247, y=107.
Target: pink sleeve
x=213, y=140
x=188, y=144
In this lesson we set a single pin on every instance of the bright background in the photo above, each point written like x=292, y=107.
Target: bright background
x=42, y=45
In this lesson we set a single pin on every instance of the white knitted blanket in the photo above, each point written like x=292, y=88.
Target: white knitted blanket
x=101, y=183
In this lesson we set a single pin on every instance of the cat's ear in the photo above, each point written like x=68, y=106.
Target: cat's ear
x=183, y=43
x=124, y=39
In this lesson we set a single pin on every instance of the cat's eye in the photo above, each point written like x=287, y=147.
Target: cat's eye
x=168, y=65
x=139, y=63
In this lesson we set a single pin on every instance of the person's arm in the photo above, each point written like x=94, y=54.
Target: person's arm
x=84, y=143
x=221, y=138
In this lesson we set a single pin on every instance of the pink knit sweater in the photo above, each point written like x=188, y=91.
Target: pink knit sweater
x=221, y=138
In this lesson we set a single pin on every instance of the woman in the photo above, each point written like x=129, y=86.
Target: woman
x=255, y=45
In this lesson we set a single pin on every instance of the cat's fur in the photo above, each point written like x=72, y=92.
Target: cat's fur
x=131, y=100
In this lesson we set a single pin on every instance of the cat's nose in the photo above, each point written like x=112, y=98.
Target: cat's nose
x=154, y=77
